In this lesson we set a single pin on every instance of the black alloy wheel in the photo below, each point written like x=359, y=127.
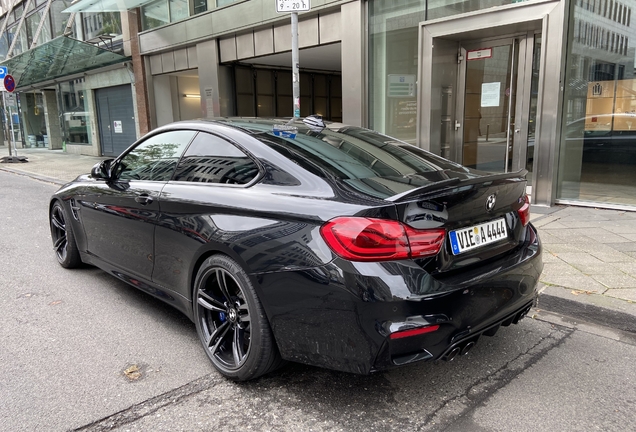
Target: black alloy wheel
x=230, y=321
x=63, y=238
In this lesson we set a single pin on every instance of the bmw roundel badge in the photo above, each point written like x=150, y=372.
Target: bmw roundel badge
x=490, y=202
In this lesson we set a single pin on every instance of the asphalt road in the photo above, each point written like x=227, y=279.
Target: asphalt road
x=67, y=339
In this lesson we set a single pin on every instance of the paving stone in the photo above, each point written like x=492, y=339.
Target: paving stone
x=581, y=214
x=580, y=258
x=608, y=237
x=548, y=257
x=610, y=257
x=597, y=247
x=618, y=215
x=559, y=248
x=581, y=282
x=625, y=293
x=542, y=220
x=580, y=224
x=622, y=227
x=589, y=232
x=629, y=268
x=556, y=225
x=619, y=280
x=560, y=268
x=630, y=237
x=566, y=236
x=623, y=247
x=547, y=238
x=610, y=214
x=597, y=269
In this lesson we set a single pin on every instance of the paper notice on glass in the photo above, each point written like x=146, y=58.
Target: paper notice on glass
x=490, y=94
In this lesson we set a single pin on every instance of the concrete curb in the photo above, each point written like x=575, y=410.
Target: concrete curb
x=33, y=176
x=594, y=308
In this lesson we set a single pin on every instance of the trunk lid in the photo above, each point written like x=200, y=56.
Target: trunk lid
x=474, y=211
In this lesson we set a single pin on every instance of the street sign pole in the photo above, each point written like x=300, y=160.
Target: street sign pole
x=295, y=65
x=294, y=6
x=6, y=120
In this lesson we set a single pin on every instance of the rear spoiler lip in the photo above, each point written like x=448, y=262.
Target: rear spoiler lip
x=454, y=182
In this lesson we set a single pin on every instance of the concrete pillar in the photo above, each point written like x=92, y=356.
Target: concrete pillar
x=52, y=119
x=163, y=99
x=209, y=78
x=353, y=82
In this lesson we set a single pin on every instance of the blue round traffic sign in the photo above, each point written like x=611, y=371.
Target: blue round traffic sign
x=9, y=83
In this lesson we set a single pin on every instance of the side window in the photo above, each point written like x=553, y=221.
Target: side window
x=211, y=159
x=155, y=159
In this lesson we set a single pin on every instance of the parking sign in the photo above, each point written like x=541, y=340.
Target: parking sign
x=9, y=83
x=292, y=6
x=3, y=72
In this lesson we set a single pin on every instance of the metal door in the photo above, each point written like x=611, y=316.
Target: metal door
x=116, y=119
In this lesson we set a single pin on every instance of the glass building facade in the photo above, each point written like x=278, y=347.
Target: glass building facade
x=597, y=158
x=594, y=148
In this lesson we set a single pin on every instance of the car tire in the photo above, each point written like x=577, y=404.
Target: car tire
x=63, y=238
x=231, y=322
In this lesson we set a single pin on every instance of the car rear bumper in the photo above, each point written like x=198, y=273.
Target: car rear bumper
x=341, y=315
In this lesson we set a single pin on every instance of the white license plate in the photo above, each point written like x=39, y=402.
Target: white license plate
x=476, y=236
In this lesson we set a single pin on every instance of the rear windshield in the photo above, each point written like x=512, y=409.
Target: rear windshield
x=369, y=161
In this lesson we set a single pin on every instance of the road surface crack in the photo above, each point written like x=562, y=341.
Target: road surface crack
x=482, y=389
x=143, y=409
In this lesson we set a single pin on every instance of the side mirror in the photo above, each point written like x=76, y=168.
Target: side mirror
x=101, y=170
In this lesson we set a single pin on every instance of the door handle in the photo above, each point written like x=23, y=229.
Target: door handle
x=143, y=199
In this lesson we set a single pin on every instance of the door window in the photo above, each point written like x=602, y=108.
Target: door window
x=154, y=159
x=211, y=159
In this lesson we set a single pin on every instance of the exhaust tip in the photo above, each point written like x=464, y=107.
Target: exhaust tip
x=452, y=354
x=467, y=348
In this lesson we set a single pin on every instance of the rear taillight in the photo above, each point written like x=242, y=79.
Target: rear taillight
x=524, y=211
x=369, y=239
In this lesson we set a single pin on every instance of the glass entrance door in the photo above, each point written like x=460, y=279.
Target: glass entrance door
x=493, y=130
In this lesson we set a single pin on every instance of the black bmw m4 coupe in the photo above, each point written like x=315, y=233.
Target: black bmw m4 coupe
x=307, y=241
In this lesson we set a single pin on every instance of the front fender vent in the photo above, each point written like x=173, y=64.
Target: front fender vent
x=74, y=209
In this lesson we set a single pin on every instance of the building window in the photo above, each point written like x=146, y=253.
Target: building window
x=59, y=19
x=155, y=14
x=597, y=161
x=32, y=22
x=178, y=10
x=74, y=118
x=220, y=3
x=101, y=24
x=199, y=6
x=163, y=12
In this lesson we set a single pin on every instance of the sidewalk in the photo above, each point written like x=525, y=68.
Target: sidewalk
x=589, y=253
x=590, y=264
x=53, y=166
